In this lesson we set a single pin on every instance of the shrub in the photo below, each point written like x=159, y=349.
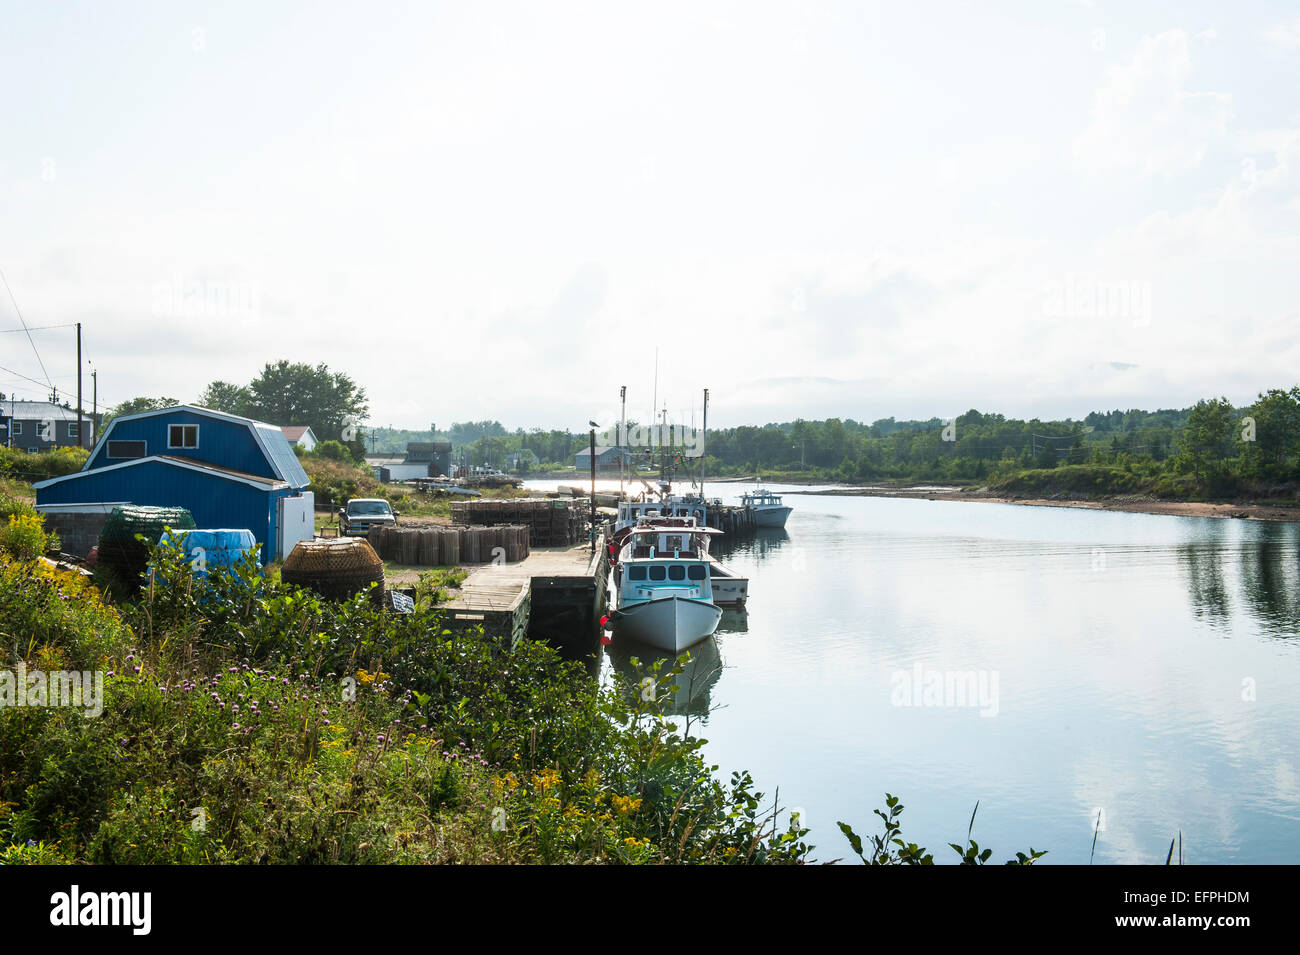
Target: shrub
x=24, y=538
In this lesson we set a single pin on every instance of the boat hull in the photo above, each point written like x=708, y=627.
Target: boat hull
x=667, y=623
x=771, y=516
x=729, y=589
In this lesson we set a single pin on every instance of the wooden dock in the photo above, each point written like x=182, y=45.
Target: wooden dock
x=556, y=594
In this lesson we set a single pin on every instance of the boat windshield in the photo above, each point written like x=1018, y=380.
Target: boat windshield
x=666, y=572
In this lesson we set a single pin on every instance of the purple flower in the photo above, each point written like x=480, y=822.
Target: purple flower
x=379, y=738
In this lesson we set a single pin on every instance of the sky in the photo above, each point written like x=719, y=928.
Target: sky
x=510, y=210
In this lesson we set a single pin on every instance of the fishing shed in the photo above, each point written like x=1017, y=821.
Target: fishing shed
x=228, y=471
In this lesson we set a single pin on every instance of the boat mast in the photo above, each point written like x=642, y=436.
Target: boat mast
x=622, y=439
x=703, y=440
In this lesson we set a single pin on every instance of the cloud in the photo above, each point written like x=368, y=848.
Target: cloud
x=1284, y=37
x=1145, y=118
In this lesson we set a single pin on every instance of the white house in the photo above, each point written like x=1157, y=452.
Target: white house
x=299, y=435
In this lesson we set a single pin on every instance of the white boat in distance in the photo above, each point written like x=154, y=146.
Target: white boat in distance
x=767, y=507
x=664, y=592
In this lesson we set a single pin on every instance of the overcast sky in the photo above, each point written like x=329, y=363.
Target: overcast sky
x=490, y=210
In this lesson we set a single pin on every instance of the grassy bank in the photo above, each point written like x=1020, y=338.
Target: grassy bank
x=1099, y=482
x=298, y=730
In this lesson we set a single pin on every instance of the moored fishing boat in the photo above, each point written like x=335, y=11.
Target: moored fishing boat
x=727, y=588
x=665, y=595
x=767, y=507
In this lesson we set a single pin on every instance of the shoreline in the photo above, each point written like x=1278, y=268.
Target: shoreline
x=1135, y=504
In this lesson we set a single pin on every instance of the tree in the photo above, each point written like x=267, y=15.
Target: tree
x=1208, y=436
x=1277, y=431
x=136, y=406
x=288, y=393
x=223, y=396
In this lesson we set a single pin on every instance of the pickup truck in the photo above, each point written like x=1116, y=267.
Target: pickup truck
x=362, y=513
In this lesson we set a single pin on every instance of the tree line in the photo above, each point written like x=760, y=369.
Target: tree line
x=1211, y=445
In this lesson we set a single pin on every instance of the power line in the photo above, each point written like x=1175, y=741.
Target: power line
x=30, y=340
x=44, y=384
x=36, y=328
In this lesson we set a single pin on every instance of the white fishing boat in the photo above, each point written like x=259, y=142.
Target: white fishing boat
x=664, y=591
x=729, y=589
x=767, y=507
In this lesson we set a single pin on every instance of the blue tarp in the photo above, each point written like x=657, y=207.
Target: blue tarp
x=213, y=548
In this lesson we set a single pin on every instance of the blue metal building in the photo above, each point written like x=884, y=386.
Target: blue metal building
x=230, y=472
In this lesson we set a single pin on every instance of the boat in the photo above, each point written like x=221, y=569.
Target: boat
x=767, y=507
x=665, y=597
x=729, y=589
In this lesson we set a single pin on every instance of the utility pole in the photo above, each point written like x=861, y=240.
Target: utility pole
x=81, y=441
x=94, y=402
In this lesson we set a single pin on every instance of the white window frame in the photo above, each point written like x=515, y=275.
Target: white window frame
x=171, y=446
x=17, y=427
x=72, y=429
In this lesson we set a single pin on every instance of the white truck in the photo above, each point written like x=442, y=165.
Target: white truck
x=363, y=513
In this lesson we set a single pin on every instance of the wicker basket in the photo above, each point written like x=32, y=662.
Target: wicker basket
x=337, y=569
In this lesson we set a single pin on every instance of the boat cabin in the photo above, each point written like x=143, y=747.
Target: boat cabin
x=630, y=512
x=760, y=498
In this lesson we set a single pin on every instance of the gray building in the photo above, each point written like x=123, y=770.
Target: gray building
x=607, y=459
x=41, y=425
x=424, y=459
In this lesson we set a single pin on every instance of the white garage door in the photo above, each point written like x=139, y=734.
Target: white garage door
x=297, y=521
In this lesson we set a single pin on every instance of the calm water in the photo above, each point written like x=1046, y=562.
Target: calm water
x=1145, y=666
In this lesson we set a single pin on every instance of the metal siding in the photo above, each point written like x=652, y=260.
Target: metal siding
x=277, y=445
x=213, y=500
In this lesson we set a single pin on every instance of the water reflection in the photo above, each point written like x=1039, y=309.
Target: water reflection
x=1270, y=582
x=763, y=542
x=734, y=621
x=1259, y=575
x=1203, y=563
x=694, y=685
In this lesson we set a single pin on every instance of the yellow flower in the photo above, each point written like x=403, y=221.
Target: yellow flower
x=626, y=805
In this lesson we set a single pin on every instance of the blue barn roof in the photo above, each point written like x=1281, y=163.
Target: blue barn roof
x=222, y=440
